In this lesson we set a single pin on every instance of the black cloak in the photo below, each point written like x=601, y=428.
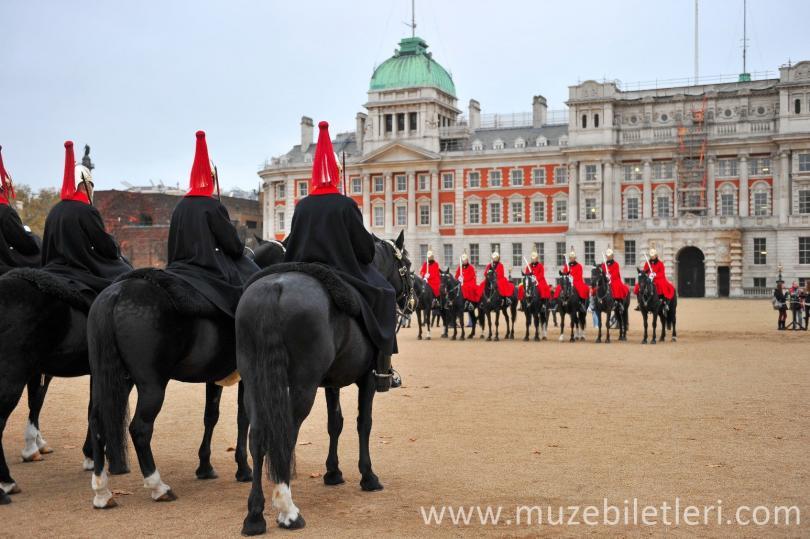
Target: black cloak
x=205, y=251
x=18, y=247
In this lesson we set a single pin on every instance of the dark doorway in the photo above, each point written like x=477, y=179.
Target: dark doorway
x=691, y=274
x=723, y=281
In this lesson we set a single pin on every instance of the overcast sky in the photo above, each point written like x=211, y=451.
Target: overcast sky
x=136, y=79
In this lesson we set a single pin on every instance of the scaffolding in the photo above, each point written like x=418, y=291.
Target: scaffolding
x=692, y=142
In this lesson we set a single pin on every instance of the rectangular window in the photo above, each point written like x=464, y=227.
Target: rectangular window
x=727, y=204
x=629, y=252
x=494, y=178
x=561, y=211
x=804, y=201
x=412, y=121
x=474, y=254
x=516, y=177
x=389, y=123
x=379, y=184
x=494, y=213
x=560, y=252
x=590, y=173
x=281, y=191
x=401, y=182
x=759, y=166
x=539, y=176
x=590, y=253
x=760, y=282
x=517, y=255
x=357, y=186
x=591, y=213
x=632, y=208
x=424, y=215
x=401, y=121
x=423, y=182
x=662, y=206
x=539, y=211
x=727, y=168
x=517, y=211
x=760, y=203
x=423, y=250
x=447, y=181
x=447, y=214
x=630, y=281
x=379, y=216
x=303, y=189
x=402, y=215
x=474, y=180
x=663, y=170
x=447, y=251
x=804, y=162
x=560, y=175
x=632, y=172
x=279, y=221
x=474, y=213
x=804, y=250
x=494, y=248
x=251, y=224
x=760, y=251
x=540, y=249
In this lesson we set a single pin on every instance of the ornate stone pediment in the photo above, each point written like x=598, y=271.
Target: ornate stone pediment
x=396, y=152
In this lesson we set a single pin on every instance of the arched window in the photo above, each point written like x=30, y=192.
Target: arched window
x=797, y=106
x=596, y=120
x=584, y=121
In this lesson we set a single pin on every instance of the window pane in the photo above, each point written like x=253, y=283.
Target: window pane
x=517, y=212
x=561, y=175
x=539, y=211
x=474, y=213
x=539, y=176
x=590, y=253
x=447, y=181
x=474, y=179
x=495, y=178
x=804, y=201
x=517, y=254
x=560, y=252
x=474, y=254
x=448, y=254
x=632, y=208
x=804, y=250
x=630, y=252
x=495, y=212
x=560, y=210
x=590, y=209
x=760, y=251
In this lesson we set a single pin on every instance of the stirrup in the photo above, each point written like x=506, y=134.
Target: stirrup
x=396, y=379
x=384, y=381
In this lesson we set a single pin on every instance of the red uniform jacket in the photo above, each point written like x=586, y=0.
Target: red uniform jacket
x=536, y=269
x=662, y=285
x=506, y=288
x=434, y=278
x=469, y=284
x=575, y=270
x=618, y=289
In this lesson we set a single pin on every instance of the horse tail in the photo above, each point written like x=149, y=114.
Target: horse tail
x=110, y=388
x=263, y=361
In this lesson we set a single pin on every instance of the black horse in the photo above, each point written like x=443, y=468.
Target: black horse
x=569, y=302
x=453, y=305
x=604, y=302
x=535, y=308
x=268, y=252
x=650, y=303
x=493, y=301
x=43, y=332
x=139, y=335
x=424, y=304
x=292, y=339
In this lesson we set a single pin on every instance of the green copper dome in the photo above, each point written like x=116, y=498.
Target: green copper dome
x=412, y=66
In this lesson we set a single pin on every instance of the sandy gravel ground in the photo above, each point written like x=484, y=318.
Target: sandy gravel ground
x=720, y=415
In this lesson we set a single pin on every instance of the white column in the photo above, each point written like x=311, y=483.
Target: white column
x=617, y=192
x=743, y=191
x=783, y=185
x=367, y=200
x=389, y=205
x=675, y=194
x=646, y=198
x=269, y=225
x=607, y=194
x=710, y=198
x=434, y=201
x=411, y=205
x=573, y=196
x=459, y=209
x=289, y=204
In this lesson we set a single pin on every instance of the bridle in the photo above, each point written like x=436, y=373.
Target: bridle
x=406, y=295
x=602, y=285
x=646, y=292
x=451, y=294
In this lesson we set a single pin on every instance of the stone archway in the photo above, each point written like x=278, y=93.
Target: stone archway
x=691, y=273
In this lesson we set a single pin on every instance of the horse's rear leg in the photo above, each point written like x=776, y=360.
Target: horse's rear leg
x=334, y=415
x=498, y=325
x=213, y=394
x=674, y=330
x=562, y=327
x=599, y=324
x=365, y=399
x=150, y=401
x=15, y=376
x=35, y=444
x=243, y=472
x=419, y=323
x=528, y=316
x=254, y=523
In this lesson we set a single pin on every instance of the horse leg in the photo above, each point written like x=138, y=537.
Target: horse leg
x=460, y=322
x=607, y=322
x=664, y=317
x=419, y=323
x=213, y=393
x=12, y=384
x=334, y=415
x=429, y=318
x=644, y=316
x=254, y=523
x=674, y=331
x=562, y=326
x=35, y=444
x=87, y=448
x=654, y=327
x=365, y=399
x=489, y=325
x=497, y=324
x=150, y=401
x=574, y=324
x=599, y=324
x=243, y=471
x=102, y=495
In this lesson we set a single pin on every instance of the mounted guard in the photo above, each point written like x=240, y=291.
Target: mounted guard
x=465, y=274
x=19, y=248
x=618, y=289
x=430, y=273
x=506, y=288
x=573, y=269
x=655, y=268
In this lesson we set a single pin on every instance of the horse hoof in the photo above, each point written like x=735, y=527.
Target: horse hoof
x=652, y=341
x=598, y=339
x=544, y=338
x=296, y=524
x=111, y=503
x=34, y=457
x=244, y=476
x=333, y=478
x=674, y=339
x=254, y=525
x=207, y=473
x=453, y=338
x=526, y=338
x=444, y=336
x=15, y=489
x=370, y=484
x=168, y=496
x=418, y=337
x=462, y=338
x=427, y=338
x=4, y=498
x=497, y=338
x=45, y=450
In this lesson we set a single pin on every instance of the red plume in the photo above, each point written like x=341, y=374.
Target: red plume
x=69, y=179
x=325, y=173
x=201, y=183
x=5, y=182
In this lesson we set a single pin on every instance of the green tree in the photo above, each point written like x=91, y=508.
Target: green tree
x=34, y=207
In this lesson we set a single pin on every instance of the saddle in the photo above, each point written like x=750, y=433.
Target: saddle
x=53, y=286
x=183, y=296
x=342, y=294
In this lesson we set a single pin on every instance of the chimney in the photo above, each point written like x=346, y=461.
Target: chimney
x=539, y=109
x=474, y=114
x=360, y=130
x=306, y=133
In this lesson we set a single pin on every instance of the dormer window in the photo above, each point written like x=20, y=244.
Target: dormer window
x=477, y=145
x=520, y=143
x=497, y=145
x=542, y=141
